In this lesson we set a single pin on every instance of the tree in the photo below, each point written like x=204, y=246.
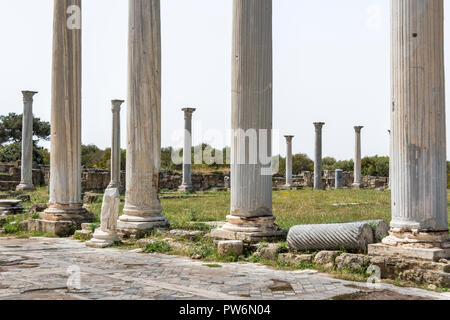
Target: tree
x=328, y=163
x=11, y=129
x=301, y=162
x=375, y=166
x=13, y=151
x=91, y=155
x=344, y=165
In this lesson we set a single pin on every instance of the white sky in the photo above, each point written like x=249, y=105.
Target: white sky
x=331, y=64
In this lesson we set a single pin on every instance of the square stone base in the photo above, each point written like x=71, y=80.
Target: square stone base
x=59, y=228
x=138, y=230
x=101, y=243
x=249, y=237
x=434, y=254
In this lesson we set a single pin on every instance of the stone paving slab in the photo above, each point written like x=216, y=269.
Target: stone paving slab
x=40, y=268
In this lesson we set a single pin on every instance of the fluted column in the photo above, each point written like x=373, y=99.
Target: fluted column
x=187, y=156
x=418, y=128
x=65, y=203
x=357, y=162
x=142, y=209
x=318, y=185
x=251, y=216
x=26, y=181
x=390, y=159
x=115, y=145
x=289, y=160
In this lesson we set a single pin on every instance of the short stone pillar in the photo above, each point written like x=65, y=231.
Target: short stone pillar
x=338, y=179
x=251, y=217
x=357, y=162
x=419, y=175
x=318, y=184
x=65, y=210
x=289, y=160
x=106, y=235
x=187, y=156
x=142, y=211
x=26, y=181
x=115, y=145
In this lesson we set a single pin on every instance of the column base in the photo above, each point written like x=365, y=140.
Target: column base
x=102, y=239
x=10, y=207
x=414, y=244
x=61, y=220
x=357, y=186
x=25, y=187
x=185, y=188
x=133, y=227
x=249, y=229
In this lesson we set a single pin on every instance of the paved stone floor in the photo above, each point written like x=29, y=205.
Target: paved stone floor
x=41, y=268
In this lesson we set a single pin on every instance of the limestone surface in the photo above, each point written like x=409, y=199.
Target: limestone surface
x=38, y=268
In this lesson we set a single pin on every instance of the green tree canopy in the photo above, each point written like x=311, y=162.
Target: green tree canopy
x=11, y=129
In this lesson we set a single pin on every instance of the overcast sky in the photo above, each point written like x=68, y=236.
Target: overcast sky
x=331, y=64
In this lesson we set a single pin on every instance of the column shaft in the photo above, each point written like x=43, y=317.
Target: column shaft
x=115, y=145
x=289, y=160
x=251, y=216
x=65, y=155
x=318, y=185
x=418, y=128
x=187, y=156
x=357, y=162
x=142, y=209
x=26, y=181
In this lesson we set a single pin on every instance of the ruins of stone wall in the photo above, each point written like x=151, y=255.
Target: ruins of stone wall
x=306, y=179
x=98, y=179
x=10, y=175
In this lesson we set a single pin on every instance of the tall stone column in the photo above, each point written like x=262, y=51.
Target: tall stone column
x=187, y=156
x=115, y=145
x=251, y=216
x=26, y=181
x=65, y=206
x=318, y=185
x=357, y=163
x=418, y=129
x=390, y=159
x=289, y=160
x=142, y=211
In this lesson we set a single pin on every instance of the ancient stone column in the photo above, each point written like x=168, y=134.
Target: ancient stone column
x=338, y=179
x=357, y=163
x=390, y=159
x=419, y=173
x=26, y=181
x=289, y=160
x=115, y=145
x=65, y=205
x=187, y=157
x=142, y=210
x=251, y=216
x=318, y=185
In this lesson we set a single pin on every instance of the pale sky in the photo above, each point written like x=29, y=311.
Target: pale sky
x=331, y=64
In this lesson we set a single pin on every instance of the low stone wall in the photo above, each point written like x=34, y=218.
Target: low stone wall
x=306, y=179
x=10, y=175
x=98, y=180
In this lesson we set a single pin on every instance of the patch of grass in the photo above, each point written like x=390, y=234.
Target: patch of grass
x=157, y=247
x=213, y=265
x=82, y=237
